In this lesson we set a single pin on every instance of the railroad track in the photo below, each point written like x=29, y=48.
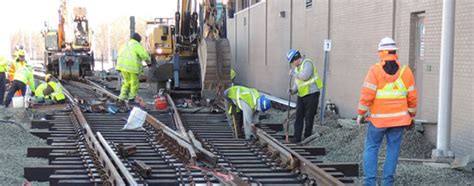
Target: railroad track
x=173, y=149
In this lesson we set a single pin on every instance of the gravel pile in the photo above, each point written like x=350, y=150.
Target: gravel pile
x=14, y=141
x=345, y=144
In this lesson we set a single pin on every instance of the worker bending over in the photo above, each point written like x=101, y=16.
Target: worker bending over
x=244, y=101
x=307, y=85
x=50, y=90
x=389, y=94
x=23, y=76
x=129, y=64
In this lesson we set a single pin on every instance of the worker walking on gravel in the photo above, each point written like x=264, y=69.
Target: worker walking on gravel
x=129, y=64
x=307, y=86
x=389, y=94
x=23, y=76
x=244, y=101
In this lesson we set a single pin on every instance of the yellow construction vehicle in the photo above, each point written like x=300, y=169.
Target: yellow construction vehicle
x=159, y=39
x=68, y=52
x=201, y=56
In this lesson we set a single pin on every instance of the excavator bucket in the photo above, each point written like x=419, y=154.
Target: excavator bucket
x=215, y=61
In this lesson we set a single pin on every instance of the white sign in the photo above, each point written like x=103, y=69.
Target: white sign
x=327, y=45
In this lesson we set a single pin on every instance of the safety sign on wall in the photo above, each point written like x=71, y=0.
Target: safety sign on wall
x=327, y=45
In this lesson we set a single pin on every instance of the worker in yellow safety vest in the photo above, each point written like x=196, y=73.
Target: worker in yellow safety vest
x=53, y=90
x=243, y=101
x=3, y=80
x=129, y=64
x=23, y=77
x=307, y=86
x=19, y=62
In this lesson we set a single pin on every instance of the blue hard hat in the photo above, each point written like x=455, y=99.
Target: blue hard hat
x=264, y=103
x=293, y=54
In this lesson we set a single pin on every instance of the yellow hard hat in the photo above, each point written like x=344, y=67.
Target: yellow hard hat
x=47, y=77
x=20, y=53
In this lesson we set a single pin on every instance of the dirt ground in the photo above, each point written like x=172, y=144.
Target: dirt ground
x=345, y=144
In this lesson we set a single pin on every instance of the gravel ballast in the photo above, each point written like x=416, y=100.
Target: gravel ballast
x=346, y=144
x=14, y=141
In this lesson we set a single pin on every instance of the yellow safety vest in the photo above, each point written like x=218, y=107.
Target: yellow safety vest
x=3, y=64
x=39, y=92
x=25, y=75
x=303, y=86
x=58, y=94
x=248, y=95
x=130, y=57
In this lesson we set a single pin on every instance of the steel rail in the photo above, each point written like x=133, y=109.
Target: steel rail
x=294, y=161
x=117, y=161
x=113, y=176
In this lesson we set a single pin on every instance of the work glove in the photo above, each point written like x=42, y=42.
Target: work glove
x=360, y=119
x=292, y=73
x=291, y=91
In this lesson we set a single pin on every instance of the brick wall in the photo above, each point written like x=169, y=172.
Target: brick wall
x=355, y=28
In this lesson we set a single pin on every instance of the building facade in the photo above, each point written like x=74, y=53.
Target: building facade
x=261, y=33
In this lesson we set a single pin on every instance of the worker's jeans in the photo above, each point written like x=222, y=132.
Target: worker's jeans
x=130, y=86
x=306, y=107
x=372, y=144
x=16, y=85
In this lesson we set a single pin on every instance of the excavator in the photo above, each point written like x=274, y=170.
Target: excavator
x=68, y=52
x=201, y=58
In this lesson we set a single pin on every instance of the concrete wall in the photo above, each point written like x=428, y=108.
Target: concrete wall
x=355, y=28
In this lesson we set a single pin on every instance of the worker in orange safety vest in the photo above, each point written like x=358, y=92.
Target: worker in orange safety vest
x=389, y=94
x=17, y=64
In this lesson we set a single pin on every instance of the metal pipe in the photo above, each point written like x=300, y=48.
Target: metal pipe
x=446, y=80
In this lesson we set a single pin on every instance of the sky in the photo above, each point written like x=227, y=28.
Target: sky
x=30, y=15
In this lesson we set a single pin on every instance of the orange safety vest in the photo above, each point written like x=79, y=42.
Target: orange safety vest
x=391, y=99
x=11, y=72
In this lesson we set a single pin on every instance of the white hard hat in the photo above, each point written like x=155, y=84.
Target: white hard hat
x=387, y=44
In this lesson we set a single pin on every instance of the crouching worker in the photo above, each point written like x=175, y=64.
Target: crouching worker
x=243, y=102
x=53, y=90
x=23, y=76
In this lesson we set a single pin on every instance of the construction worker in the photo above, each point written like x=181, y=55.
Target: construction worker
x=389, y=94
x=130, y=57
x=244, y=101
x=39, y=93
x=53, y=90
x=3, y=77
x=307, y=86
x=23, y=76
x=19, y=62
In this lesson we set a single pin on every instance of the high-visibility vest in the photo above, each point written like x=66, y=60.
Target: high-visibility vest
x=25, y=75
x=392, y=102
x=248, y=95
x=303, y=86
x=14, y=67
x=130, y=56
x=57, y=94
x=39, y=92
x=3, y=64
